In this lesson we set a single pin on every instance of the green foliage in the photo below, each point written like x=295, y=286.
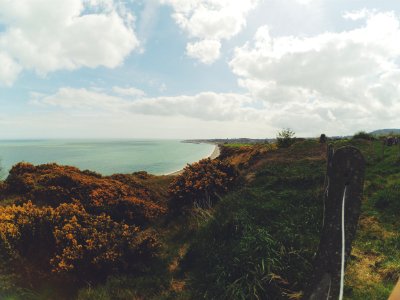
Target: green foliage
x=237, y=145
x=285, y=138
x=124, y=288
x=388, y=199
x=364, y=136
x=323, y=139
x=251, y=249
x=241, y=264
x=373, y=267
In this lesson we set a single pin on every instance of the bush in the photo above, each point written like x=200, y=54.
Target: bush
x=52, y=185
x=285, y=138
x=201, y=183
x=69, y=242
x=323, y=139
x=362, y=135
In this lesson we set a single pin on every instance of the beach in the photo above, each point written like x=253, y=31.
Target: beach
x=216, y=152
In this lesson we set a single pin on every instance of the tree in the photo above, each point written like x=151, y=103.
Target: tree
x=285, y=138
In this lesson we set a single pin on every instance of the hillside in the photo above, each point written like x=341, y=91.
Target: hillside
x=254, y=238
x=385, y=131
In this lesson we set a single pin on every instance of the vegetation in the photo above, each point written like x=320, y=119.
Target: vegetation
x=43, y=241
x=71, y=234
x=122, y=197
x=201, y=184
x=364, y=136
x=258, y=252
x=285, y=138
x=61, y=228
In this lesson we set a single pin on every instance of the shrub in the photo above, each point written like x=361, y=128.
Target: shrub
x=69, y=242
x=362, y=135
x=201, y=183
x=323, y=139
x=285, y=138
x=51, y=185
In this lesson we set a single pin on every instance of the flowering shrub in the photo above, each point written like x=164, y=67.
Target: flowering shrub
x=51, y=185
x=67, y=240
x=201, y=183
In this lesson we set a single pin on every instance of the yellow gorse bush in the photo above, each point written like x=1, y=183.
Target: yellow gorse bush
x=51, y=185
x=68, y=240
x=202, y=182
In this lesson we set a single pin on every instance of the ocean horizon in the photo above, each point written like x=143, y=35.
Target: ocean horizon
x=105, y=156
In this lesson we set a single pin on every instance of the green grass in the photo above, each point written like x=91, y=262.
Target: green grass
x=375, y=264
x=261, y=239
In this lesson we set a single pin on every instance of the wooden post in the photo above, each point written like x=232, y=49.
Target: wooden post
x=329, y=155
x=346, y=179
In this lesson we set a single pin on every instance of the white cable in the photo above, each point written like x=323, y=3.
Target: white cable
x=343, y=246
x=324, y=200
x=329, y=290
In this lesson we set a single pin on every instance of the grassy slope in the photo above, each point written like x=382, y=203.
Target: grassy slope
x=375, y=264
x=280, y=209
x=260, y=239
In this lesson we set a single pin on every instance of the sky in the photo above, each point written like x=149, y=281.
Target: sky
x=197, y=68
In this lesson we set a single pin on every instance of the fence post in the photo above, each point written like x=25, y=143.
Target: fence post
x=345, y=173
x=329, y=155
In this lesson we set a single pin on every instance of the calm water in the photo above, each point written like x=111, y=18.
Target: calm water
x=105, y=156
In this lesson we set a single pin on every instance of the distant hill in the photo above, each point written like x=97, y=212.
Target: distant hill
x=385, y=131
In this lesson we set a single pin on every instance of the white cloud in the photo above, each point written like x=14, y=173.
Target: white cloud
x=51, y=35
x=9, y=69
x=205, y=20
x=344, y=79
x=129, y=91
x=203, y=106
x=357, y=14
x=206, y=51
x=80, y=99
x=305, y=2
x=89, y=113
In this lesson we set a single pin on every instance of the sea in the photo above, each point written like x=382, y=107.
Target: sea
x=105, y=156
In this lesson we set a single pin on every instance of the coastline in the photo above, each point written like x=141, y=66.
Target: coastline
x=213, y=155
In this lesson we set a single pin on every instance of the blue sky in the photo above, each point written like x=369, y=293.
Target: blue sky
x=197, y=68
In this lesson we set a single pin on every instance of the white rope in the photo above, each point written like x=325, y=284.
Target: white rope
x=324, y=200
x=329, y=290
x=343, y=246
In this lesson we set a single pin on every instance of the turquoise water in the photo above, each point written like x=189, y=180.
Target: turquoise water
x=105, y=156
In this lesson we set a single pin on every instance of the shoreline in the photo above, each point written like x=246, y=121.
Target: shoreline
x=213, y=155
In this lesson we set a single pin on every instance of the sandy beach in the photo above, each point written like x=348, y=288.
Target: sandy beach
x=213, y=155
